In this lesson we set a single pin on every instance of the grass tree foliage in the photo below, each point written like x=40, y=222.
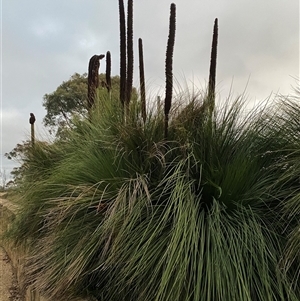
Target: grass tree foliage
x=121, y=211
x=118, y=213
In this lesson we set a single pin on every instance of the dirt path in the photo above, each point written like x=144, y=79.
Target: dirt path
x=9, y=289
x=6, y=203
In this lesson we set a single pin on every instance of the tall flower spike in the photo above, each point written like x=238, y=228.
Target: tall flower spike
x=93, y=78
x=108, y=71
x=169, y=66
x=32, y=121
x=212, y=69
x=142, y=79
x=129, y=77
x=122, y=52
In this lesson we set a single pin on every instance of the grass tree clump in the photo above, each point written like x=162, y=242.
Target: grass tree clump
x=289, y=163
x=163, y=209
x=123, y=215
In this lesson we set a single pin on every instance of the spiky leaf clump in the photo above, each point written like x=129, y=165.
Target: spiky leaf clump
x=120, y=214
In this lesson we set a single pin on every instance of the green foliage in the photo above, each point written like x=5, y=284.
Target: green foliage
x=69, y=100
x=65, y=108
x=33, y=160
x=118, y=213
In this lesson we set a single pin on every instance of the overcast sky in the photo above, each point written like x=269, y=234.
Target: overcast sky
x=44, y=42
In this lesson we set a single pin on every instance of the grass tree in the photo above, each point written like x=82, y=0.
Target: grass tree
x=115, y=213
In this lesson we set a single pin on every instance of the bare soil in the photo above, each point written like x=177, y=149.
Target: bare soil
x=9, y=289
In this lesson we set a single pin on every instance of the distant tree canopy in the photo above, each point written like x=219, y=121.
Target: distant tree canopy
x=67, y=102
x=21, y=154
x=70, y=100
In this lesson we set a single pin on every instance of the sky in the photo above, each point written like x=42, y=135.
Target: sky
x=44, y=42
